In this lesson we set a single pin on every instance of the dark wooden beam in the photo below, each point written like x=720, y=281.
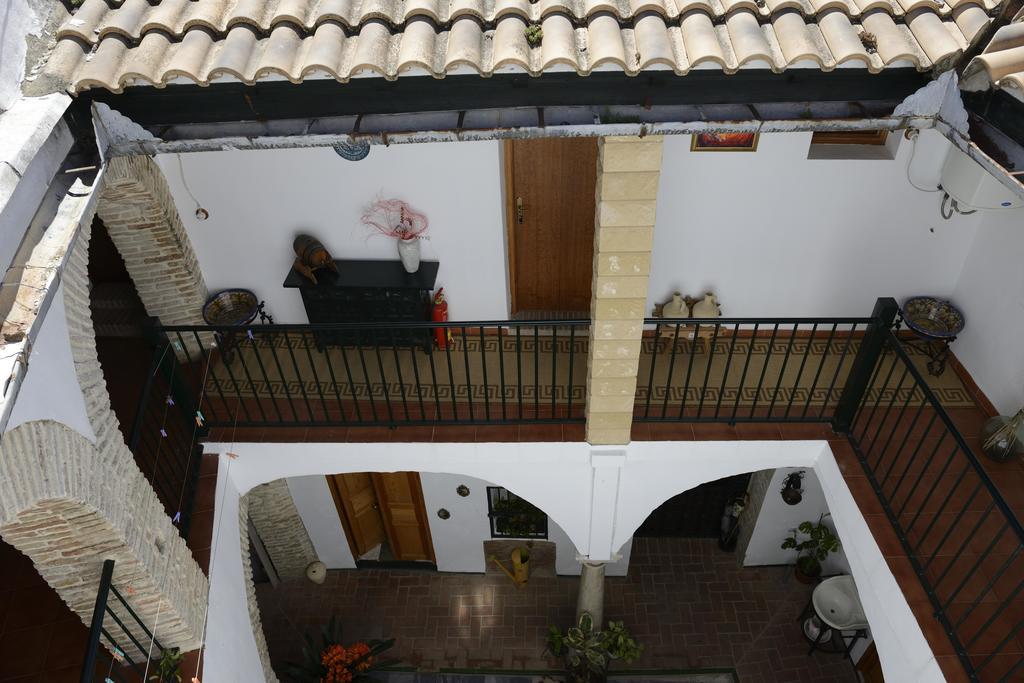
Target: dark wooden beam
x=227, y=102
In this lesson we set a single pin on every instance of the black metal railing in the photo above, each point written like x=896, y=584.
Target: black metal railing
x=373, y=374
x=164, y=434
x=962, y=538
x=745, y=370
x=119, y=643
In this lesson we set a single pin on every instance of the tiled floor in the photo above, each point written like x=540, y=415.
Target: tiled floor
x=685, y=600
x=41, y=639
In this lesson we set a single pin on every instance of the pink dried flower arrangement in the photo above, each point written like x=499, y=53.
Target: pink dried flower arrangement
x=395, y=218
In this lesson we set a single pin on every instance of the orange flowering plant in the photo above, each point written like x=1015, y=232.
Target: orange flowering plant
x=331, y=661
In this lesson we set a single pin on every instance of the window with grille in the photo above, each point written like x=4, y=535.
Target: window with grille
x=513, y=517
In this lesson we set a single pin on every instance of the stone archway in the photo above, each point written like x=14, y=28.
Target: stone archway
x=68, y=502
x=136, y=206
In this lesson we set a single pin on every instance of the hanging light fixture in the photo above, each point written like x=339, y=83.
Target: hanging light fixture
x=792, y=491
x=352, y=150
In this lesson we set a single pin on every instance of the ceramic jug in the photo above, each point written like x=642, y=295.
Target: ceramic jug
x=675, y=308
x=707, y=308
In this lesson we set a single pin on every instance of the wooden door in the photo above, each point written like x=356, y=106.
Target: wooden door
x=356, y=499
x=405, y=518
x=550, y=186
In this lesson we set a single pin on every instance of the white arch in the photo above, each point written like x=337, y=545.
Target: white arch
x=567, y=481
x=554, y=477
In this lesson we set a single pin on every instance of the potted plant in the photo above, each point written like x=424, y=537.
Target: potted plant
x=330, y=661
x=588, y=653
x=395, y=218
x=820, y=541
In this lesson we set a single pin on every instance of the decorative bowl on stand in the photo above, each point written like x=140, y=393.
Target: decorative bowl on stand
x=232, y=308
x=936, y=323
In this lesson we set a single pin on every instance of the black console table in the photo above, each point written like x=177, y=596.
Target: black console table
x=368, y=291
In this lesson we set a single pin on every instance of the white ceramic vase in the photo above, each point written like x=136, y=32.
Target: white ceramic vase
x=675, y=308
x=707, y=307
x=409, y=253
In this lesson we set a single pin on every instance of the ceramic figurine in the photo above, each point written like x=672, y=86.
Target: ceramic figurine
x=707, y=307
x=311, y=255
x=676, y=308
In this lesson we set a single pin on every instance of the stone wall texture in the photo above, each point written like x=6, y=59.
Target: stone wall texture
x=627, y=193
x=757, y=489
x=250, y=591
x=277, y=520
x=69, y=504
x=137, y=208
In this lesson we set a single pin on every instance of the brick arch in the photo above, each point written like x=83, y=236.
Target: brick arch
x=137, y=208
x=69, y=503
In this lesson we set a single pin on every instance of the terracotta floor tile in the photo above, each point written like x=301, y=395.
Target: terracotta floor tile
x=540, y=432
x=670, y=431
x=455, y=433
x=727, y=617
x=497, y=433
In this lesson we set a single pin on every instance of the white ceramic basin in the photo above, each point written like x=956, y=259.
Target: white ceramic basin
x=837, y=603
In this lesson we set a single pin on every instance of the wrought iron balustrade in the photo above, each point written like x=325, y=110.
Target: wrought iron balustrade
x=119, y=643
x=962, y=538
x=369, y=374
x=164, y=434
x=745, y=370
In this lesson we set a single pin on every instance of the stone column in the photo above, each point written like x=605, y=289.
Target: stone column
x=627, y=191
x=591, y=595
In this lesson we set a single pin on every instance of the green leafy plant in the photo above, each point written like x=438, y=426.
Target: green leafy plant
x=587, y=652
x=534, y=34
x=329, y=661
x=516, y=518
x=820, y=541
x=168, y=668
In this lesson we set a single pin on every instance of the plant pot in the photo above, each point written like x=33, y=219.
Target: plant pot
x=1007, y=448
x=807, y=572
x=409, y=253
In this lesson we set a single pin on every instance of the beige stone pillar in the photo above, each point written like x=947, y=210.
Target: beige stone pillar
x=627, y=192
x=591, y=593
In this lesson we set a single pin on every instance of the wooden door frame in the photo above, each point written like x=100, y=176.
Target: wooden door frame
x=346, y=524
x=510, y=223
x=418, y=501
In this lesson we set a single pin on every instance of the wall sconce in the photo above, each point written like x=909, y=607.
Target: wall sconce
x=444, y=514
x=462, y=490
x=792, y=491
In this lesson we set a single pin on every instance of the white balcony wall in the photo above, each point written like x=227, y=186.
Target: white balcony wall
x=260, y=200
x=991, y=294
x=775, y=234
x=560, y=478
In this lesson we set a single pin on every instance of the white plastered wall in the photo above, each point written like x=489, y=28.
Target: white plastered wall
x=458, y=541
x=776, y=518
x=260, y=200
x=991, y=294
x=50, y=390
x=775, y=234
x=598, y=496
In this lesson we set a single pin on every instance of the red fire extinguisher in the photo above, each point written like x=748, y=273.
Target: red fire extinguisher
x=439, y=314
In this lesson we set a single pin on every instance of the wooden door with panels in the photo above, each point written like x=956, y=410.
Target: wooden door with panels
x=550, y=188
x=404, y=514
x=377, y=507
x=356, y=500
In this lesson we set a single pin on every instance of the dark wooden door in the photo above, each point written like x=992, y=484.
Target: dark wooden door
x=551, y=186
x=405, y=518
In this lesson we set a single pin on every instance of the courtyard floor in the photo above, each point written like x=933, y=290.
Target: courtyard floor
x=686, y=601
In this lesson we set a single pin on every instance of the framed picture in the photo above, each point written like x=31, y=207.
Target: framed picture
x=723, y=142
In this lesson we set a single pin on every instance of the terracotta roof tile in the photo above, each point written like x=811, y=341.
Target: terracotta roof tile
x=1001, y=64
x=112, y=44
